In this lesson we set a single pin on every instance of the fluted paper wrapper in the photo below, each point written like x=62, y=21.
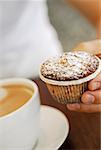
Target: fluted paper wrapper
x=69, y=91
x=67, y=94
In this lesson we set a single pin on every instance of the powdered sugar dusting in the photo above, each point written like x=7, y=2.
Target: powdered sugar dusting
x=69, y=66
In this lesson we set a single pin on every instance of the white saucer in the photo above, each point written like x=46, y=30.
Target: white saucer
x=54, y=129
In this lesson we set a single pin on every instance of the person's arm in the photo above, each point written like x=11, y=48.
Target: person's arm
x=91, y=9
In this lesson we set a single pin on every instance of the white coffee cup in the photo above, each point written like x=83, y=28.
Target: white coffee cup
x=19, y=130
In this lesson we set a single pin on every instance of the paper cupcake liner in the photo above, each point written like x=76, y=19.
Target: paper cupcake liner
x=69, y=91
x=67, y=94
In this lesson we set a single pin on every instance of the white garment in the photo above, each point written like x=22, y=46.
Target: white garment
x=26, y=37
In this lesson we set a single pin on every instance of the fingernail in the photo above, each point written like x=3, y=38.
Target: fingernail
x=96, y=85
x=89, y=99
x=73, y=106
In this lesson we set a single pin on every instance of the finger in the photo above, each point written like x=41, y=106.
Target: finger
x=85, y=108
x=95, y=83
x=91, y=97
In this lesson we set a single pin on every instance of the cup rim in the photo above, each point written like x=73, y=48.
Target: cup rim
x=19, y=80
x=72, y=82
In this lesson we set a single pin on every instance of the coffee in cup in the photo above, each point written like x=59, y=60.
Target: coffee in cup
x=13, y=97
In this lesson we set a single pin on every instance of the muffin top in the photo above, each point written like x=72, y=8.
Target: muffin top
x=70, y=66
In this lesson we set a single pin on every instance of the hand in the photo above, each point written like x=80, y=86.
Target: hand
x=91, y=99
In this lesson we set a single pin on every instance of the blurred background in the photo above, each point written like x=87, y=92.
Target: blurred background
x=27, y=38
x=72, y=27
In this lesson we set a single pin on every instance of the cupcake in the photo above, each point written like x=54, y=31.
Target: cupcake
x=67, y=76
